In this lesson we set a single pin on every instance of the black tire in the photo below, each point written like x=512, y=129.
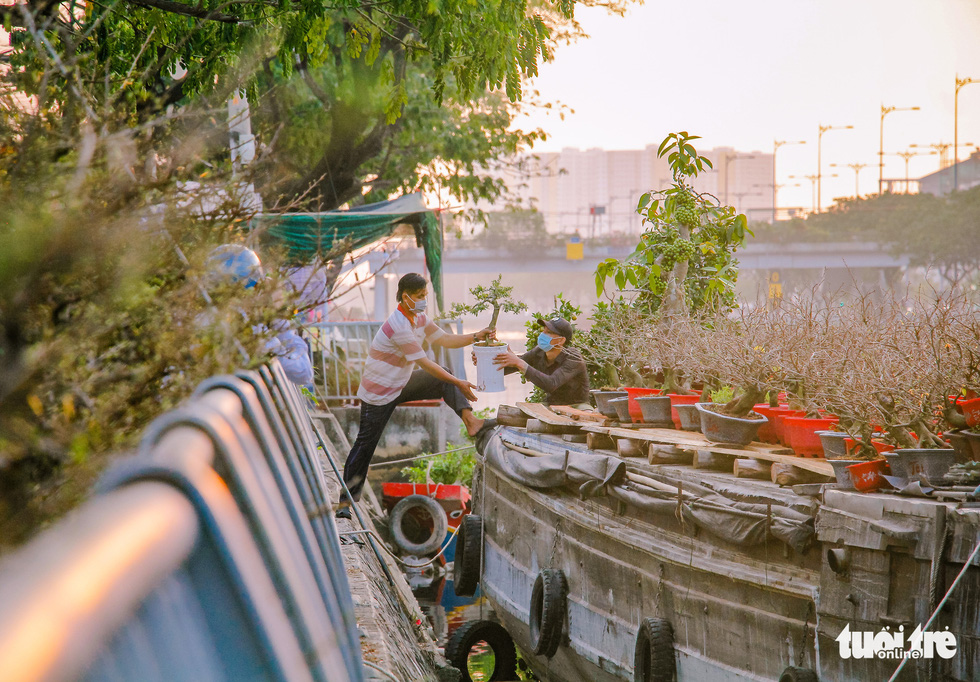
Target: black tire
x=795, y=674
x=469, y=555
x=439, y=525
x=469, y=634
x=549, y=602
x=654, y=660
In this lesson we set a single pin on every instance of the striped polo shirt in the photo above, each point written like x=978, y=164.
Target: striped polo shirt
x=394, y=350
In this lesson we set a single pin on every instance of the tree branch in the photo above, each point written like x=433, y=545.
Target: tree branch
x=188, y=11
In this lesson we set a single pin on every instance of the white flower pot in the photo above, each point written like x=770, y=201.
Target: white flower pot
x=489, y=377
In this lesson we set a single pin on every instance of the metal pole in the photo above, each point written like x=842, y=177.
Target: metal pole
x=881, y=148
x=775, y=147
x=956, y=135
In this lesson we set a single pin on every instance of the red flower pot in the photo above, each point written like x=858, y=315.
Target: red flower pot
x=636, y=414
x=779, y=427
x=767, y=432
x=879, y=446
x=866, y=476
x=800, y=433
x=677, y=399
x=970, y=410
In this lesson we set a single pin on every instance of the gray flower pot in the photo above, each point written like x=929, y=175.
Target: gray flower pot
x=833, y=443
x=602, y=399
x=841, y=472
x=622, y=409
x=720, y=428
x=896, y=463
x=656, y=410
x=689, y=416
x=933, y=463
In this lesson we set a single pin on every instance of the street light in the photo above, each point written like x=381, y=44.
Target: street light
x=823, y=129
x=813, y=186
x=960, y=82
x=776, y=144
x=942, y=148
x=881, y=141
x=857, y=168
x=907, y=155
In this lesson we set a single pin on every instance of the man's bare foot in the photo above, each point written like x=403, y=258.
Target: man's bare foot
x=472, y=424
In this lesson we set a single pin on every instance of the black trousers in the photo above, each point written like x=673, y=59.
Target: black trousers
x=421, y=386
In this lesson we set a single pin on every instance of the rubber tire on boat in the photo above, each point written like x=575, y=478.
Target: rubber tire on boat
x=654, y=660
x=439, y=525
x=548, y=605
x=469, y=555
x=465, y=638
x=794, y=674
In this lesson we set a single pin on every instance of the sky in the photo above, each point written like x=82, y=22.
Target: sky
x=742, y=73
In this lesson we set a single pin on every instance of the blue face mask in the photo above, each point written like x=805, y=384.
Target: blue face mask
x=418, y=306
x=544, y=342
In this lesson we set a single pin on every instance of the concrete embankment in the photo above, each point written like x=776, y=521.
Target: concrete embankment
x=395, y=636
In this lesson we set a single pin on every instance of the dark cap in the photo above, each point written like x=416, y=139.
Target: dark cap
x=560, y=326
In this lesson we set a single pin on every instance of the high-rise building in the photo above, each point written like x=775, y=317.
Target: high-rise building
x=596, y=191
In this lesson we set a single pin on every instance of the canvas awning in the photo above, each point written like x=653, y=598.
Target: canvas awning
x=332, y=233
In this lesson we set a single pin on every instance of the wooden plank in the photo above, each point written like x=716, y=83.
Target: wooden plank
x=542, y=413
x=580, y=415
x=752, y=468
x=630, y=448
x=574, y=438
x=667, y=454
x=538, y=426
x=508, y=415
x=599, y=441
x=692, y=440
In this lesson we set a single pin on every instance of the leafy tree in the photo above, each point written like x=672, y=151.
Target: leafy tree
x=685, y=260
x=346, y=96
x=936, y=232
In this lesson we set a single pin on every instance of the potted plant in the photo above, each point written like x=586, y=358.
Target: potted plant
x=735, y=351
x=496, y=297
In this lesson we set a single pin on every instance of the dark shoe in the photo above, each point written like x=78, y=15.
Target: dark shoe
x=487, y=425
x=343, y=513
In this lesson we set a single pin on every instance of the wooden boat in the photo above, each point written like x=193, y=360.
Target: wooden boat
x=749, y=580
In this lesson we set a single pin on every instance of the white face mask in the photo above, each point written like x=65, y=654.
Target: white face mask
x=417, y=306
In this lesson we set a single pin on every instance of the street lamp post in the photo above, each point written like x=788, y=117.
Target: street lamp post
x=907, y=155
x=822, y=129
x=941, y=148
x=881, y=141
x=813, y=186
x=960, y=82
x=776, y=144
x=857, y=168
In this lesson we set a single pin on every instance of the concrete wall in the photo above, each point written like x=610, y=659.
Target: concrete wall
x=411, y=431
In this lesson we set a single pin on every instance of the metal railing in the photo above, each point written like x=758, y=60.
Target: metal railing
x=339, y=351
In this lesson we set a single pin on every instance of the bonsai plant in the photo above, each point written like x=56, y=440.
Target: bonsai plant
x=495, y=297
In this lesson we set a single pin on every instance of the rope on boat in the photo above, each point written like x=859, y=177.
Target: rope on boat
x=434, y=454
x=966, y=565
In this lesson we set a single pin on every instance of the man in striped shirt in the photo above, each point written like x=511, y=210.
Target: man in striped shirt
x=390, y=378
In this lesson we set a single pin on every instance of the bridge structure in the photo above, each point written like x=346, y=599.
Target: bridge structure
x=834, y=259
x=757, y=256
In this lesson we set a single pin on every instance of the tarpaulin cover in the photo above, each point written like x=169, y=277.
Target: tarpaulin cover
x=593, y=474
x=305, y=235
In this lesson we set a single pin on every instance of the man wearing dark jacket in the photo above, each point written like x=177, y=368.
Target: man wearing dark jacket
x=553, y=365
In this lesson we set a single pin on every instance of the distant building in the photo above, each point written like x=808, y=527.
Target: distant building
x=940, y=183
x=595, y=191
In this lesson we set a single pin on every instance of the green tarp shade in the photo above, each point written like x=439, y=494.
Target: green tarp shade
x=305, y=235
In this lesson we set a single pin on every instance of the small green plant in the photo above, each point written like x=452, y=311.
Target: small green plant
x=452, y=468
x=723, y=395
x=496, y=297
